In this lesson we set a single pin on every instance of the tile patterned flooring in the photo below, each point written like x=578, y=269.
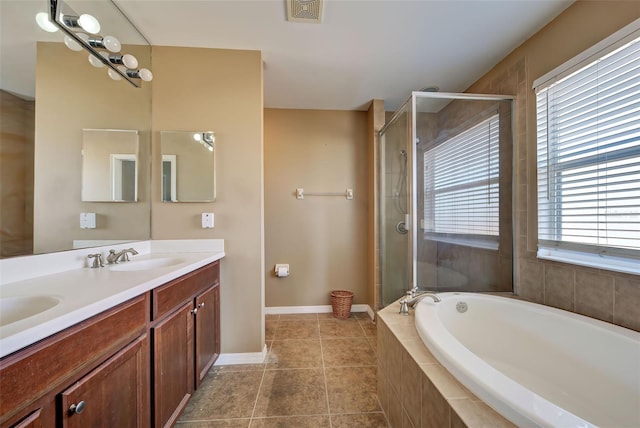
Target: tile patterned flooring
x=320, y=373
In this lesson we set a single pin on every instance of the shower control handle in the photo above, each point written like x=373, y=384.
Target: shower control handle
x=407, y=220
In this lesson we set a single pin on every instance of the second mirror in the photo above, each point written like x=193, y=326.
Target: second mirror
x=188, y=166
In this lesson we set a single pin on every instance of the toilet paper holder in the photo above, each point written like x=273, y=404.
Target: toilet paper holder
x=281, y=270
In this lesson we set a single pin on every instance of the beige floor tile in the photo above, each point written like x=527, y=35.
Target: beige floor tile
x=359, y=420
x=297, y=330
x=368, y=326
x=224, y=396
x=237, y=368
x=292, y=422
x=299, y=317
x=347, y=352
x=290, y=354
x=219, y=423
x=270, y=329
x=340, y=328
x=292, y=392
x=352, y=389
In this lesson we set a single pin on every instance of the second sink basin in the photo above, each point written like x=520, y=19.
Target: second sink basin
x=147, y=264
x=14, y=309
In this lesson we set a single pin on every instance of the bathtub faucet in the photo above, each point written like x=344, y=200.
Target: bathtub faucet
x=412, y=299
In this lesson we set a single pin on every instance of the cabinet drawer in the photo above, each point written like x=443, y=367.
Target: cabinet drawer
x=30, y=373
x=166, y=298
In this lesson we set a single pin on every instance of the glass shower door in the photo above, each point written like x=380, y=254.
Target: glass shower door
x=395, y=169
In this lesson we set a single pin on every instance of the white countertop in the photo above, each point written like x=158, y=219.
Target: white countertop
x=84, y=292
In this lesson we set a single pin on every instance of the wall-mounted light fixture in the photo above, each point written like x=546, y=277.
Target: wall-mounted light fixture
x=81, y=32
x=207, y=139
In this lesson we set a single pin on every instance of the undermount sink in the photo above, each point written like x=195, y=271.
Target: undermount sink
x=146, y=264
x=14, y=309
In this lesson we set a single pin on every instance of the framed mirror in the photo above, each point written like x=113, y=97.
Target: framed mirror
x=109, y=165
x=188, y=166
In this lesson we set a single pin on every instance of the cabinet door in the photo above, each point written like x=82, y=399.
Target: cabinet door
x=112, y=395
x=34, y=420
x=172, y=365
x=207, y=332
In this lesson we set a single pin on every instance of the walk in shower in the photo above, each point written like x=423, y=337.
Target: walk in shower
x=445, y=164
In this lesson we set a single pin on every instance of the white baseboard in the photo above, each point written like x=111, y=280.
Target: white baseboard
x=276, y=310
x=243, y=358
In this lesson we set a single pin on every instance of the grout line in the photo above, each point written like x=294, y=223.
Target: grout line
x=324, y=376
x=264, y=371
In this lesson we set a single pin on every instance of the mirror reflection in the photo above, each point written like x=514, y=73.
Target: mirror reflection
x=109, y=165
x=188, y=166
x=49, y=94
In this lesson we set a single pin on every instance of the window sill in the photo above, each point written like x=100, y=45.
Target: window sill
x=465, y=242
x=615, y=264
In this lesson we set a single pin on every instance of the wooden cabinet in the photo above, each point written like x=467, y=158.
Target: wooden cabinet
x=33, y=377
x=112, y=395
x=186, y=339
x=135, y=365
x=207, y=344
x=172, y=365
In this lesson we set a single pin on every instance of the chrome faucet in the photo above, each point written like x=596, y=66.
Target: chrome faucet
x=97, y=260
x=413, y=297
x=122, y=256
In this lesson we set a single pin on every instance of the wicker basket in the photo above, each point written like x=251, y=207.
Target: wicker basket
x=341, y=301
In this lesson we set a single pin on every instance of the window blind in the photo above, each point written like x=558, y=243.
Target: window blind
x=588, y=140
x=461, y=182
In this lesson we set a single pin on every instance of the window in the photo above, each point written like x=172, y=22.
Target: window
x=588, y=136
x=461, y=187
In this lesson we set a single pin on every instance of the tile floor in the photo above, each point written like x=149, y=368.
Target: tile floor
x=320, y=372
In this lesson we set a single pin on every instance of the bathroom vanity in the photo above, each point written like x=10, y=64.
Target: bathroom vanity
x=135, y=364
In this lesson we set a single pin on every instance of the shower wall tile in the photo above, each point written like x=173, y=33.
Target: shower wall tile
x=559, y=286
x=626, y=311
x=594, y=294
x=531, y=281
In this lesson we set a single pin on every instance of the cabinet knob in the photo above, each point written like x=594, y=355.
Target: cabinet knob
x=194, y=311
x=201, y=305
x=77, y=408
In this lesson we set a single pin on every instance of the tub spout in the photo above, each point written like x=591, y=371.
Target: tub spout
x=411, y=302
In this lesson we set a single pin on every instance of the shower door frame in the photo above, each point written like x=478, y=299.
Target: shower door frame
x=413, y=224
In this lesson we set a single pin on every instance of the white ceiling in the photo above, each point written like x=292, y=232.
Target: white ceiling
x=362, y=50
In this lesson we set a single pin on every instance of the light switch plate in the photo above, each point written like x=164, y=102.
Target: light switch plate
x=207, y=220
x=87, y=220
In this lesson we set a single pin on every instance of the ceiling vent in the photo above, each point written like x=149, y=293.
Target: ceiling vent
x=309, y=11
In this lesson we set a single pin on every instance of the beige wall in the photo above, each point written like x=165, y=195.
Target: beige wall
x=323, y=238
x=601, y=294
x=72, y=95
x=17, y=119
x=218, y=90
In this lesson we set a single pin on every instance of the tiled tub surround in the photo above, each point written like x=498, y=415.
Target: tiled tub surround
x=84, y=292
x=415, y=391
x=536, y=365
x=320, y=373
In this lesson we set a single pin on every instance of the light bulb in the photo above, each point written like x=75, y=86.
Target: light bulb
x=114, y=74
x=197, y=136
x=72, y=44
x=42, y=18
x=89, y=24
x=129, y=61
x=111, y=44
x=96, y=61
x=210, y=148
x=146, y=74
